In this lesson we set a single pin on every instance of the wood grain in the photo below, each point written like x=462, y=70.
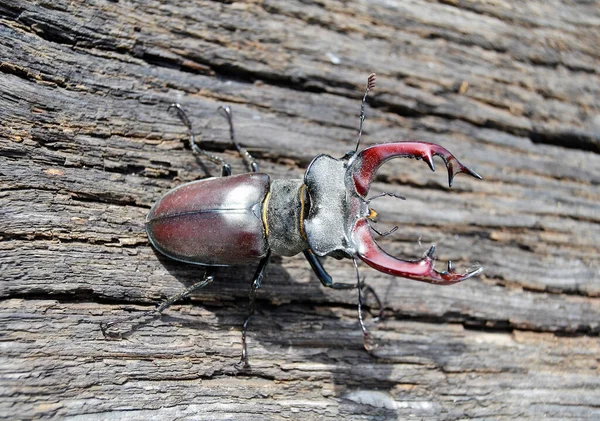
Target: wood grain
x=86, y=147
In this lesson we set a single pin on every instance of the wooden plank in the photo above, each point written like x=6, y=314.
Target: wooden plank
x=311, y=366
x=86, y=147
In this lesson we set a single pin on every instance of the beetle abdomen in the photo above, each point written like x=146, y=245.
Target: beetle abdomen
x=217, y=221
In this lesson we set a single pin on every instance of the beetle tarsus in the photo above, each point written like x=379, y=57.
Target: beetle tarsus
x=106, y=326
x=225, y=110
x=368, y=341
x=368, y=289
x=225, y=168
x=206, y=279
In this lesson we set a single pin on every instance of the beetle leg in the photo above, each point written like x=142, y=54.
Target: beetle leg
x=327, y=280
x=250, y=162
x=258, y=276
x=225, y=167
x=367, y=338
x=322, y=274
x=206, y=279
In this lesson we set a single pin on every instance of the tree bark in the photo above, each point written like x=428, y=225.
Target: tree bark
x=87, y=146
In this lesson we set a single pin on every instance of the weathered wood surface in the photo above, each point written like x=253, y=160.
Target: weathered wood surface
x=86, y=146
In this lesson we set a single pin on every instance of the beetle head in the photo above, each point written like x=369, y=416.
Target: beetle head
x=337, y=223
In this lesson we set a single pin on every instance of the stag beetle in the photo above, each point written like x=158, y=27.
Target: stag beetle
x=237, y=220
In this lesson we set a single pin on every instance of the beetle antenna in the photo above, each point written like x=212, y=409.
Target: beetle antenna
x=367, y=338
x=385, y=233
x=370, y=85
x=397, y=196
x=225, y=110
x=373, y=215
x=225, y=167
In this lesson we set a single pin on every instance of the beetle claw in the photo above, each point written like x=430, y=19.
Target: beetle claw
x=420, y=270
x=369, y=160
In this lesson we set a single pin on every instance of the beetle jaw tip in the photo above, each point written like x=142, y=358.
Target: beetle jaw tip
x=457, y=168
x=450, y=277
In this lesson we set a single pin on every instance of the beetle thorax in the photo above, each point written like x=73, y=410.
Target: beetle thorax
x=284, y=211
